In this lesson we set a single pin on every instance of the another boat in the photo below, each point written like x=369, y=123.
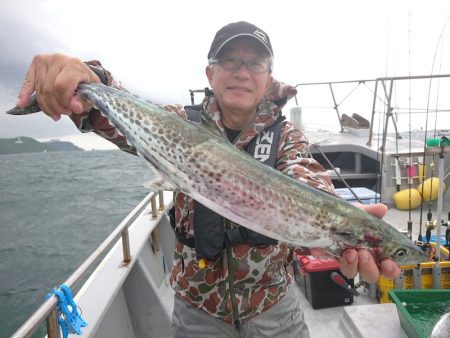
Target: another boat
x=128, y=294
x=362, y=148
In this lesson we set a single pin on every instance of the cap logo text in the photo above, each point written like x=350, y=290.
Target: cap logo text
x=260, y=35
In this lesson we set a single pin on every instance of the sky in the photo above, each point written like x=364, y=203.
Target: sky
x=158, y=49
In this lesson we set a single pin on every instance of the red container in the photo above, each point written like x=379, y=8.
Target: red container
x=313, y=275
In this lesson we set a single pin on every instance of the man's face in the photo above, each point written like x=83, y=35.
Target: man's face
x=241, y=90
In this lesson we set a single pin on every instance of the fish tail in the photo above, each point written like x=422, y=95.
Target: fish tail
x=31, y=108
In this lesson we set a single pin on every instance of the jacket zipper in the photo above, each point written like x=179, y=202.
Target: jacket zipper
x=234, y=307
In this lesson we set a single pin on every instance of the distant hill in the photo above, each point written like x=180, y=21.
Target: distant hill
x=58, y=145
x=24, y=144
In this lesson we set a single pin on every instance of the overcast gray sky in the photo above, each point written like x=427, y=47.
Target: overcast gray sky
x=158, y=48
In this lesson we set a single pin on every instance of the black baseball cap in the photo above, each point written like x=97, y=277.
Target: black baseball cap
x=235, y=30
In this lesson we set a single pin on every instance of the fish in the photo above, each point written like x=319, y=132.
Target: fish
x=442, y=327
x=197, y=159
x=32, y=107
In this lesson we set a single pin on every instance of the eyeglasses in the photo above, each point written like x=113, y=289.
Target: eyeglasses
x=256, y=65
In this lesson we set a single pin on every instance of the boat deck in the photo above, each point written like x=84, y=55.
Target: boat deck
x=355, y=140
x=139, y=300
x=365, y=318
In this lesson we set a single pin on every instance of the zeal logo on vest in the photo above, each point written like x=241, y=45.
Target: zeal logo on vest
x=263, y=145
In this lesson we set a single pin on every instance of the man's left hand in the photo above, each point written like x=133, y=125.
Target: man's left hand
x=354, y=261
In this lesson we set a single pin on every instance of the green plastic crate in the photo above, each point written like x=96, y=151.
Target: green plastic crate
x=420, y=310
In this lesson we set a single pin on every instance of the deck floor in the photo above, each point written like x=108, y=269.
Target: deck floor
x=326, y=322
x=381, y=320
x=365, y=314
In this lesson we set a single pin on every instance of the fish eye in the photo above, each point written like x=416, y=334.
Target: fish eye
x=400, y=253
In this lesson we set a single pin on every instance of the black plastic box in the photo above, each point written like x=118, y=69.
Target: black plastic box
x=313, y=275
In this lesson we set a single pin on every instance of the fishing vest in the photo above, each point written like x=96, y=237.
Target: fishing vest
x=210, y=235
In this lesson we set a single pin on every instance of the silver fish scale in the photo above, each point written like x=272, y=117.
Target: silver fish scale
x=238, y=187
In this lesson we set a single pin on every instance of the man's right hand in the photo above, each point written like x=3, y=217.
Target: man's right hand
x=55, y=78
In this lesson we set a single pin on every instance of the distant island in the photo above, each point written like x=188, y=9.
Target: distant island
x=22, y=144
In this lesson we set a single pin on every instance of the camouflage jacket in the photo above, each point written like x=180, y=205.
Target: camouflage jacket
x=258, y=275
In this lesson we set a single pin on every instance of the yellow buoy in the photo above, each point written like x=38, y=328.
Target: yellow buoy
x=430, y=189
x=401, y=199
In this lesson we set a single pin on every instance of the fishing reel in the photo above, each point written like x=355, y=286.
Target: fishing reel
x=427, y=246
x=431, y=224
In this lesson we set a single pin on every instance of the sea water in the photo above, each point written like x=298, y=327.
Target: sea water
x=55, y=209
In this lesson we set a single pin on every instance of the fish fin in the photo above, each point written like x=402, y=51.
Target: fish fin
x=158, y=183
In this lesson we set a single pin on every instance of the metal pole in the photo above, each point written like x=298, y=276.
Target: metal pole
x=399, y=280
x=369, y=142
x=377, y=79
x=53, y=325
x=437, y=266
x=126, y=247
x=155, y=240
x=388, y=114
x=417, y=277
x=161, y=200
x=336, y=107
x=154, y=208
x=439, y=203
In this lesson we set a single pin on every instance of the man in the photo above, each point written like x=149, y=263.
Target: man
x=228, y=280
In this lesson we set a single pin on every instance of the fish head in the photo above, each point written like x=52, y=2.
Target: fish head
x=384, y=240
x=403, y=252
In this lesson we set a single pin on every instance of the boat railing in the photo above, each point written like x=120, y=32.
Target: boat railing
x=383, y=91
x=47, y=310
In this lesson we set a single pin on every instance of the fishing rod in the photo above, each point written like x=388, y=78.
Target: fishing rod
x=442, y=143
x=337, y=172
x=410, y=172
x=430, y=223
x=426, y=131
